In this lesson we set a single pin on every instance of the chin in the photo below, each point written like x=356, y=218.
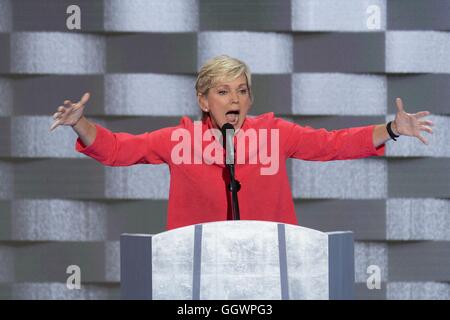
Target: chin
x=238, y=125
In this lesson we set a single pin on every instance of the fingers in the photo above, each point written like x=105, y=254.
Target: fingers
x=57, y=115
x=421, y=114
x=60, y=112
x=426, y=122
x=85, y=98
x=62, y=109
x=427, y=129
x=68, y=104
x=424, y=141
x=399, y=104
x=54, y=125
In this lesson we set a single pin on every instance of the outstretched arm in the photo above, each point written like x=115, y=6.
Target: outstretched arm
x=405, y=124
x=111, y=148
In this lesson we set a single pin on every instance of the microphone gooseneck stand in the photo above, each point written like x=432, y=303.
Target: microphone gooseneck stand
x=235, y=185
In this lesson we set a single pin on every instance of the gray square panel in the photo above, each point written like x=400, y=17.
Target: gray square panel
x=366, y=218
x=272, y=93
x=419, y=177
x=5, y=53
x=419, y=261
x=420, y=92
x=50, y=178
x=245, y=15
x=5, y=137
x=152, y=52
x=339, y=52
x=30, y=100
x=418, y=14
x=50, y=15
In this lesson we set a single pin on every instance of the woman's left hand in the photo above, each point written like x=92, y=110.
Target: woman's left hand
x=408, y=124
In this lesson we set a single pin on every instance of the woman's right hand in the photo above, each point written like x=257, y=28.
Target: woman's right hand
x=70, y=113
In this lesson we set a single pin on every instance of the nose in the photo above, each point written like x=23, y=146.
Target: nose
x=234, y=97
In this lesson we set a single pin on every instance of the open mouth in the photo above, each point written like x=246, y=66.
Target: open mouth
x=232, y=116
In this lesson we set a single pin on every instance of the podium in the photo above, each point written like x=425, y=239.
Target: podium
x=237, y=260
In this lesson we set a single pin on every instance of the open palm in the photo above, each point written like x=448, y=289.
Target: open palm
x=410, y=124
x=71, y=113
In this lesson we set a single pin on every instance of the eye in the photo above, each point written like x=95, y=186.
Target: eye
x=244, y=91
x=222, y=92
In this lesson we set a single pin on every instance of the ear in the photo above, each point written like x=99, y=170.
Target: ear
x=202, y=101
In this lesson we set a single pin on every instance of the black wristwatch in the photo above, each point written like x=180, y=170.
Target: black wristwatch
x=391, y=133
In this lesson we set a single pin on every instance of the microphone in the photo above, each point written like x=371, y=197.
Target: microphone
x=234, y=186
x=228, y=143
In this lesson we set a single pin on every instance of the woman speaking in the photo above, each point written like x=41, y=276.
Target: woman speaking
x=194, y=153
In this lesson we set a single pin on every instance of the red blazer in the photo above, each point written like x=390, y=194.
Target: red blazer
x=198, y=191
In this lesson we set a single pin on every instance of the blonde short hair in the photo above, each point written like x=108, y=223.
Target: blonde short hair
x=221, y=68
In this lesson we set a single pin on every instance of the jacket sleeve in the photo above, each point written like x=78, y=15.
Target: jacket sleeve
x=125, y=149
x=307, y=143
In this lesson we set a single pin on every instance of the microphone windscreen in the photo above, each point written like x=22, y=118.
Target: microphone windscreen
x=227, y=126
x=228, y=145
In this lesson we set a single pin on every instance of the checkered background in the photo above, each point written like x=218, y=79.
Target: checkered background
x=314, y=62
